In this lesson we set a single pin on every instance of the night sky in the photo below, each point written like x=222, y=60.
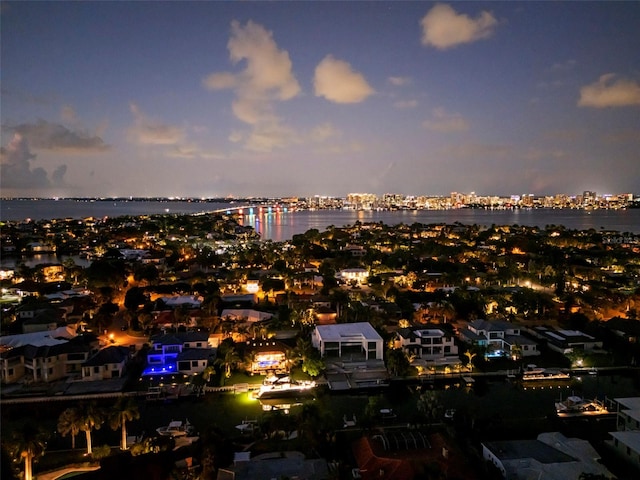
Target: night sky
x=209, y=99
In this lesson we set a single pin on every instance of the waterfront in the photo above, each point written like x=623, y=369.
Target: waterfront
x=497, y=409
x=283, y=225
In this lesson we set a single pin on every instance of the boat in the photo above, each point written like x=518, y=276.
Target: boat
x=386, y=413
x=176, y=428
x=578, y=406
x=247, y=426
x=283, y=386
x=534, y=373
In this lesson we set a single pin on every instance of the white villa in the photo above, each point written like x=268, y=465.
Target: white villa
x=348, y=341
x=358, y=275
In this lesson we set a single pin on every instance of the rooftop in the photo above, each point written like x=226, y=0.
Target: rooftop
x=348, y=330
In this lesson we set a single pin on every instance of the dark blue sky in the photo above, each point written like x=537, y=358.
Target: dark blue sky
x=312, y=98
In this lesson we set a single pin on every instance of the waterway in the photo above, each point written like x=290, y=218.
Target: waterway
x=48, y=209
x=500, y=408
x=283, y=225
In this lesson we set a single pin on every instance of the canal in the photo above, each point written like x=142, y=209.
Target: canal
x=487, y=409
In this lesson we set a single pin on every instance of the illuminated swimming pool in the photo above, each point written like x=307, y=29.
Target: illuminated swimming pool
x=159, y=369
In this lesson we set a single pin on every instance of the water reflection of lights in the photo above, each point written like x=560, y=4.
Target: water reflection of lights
x=267, y=222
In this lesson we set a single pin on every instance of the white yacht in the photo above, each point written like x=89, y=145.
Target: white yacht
x=176, y=428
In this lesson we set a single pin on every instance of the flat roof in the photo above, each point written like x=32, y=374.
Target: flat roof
x=628, y=403
x=633, y=414
x=341, y=330
x=521, y=449
x=429, y=332
x=631, y=438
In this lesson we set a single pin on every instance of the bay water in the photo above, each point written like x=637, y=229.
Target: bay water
x=280, y=225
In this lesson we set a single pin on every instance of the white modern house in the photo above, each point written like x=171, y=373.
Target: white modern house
x=348, y=341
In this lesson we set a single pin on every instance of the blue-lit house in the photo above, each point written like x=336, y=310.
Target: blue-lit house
x=179, y=352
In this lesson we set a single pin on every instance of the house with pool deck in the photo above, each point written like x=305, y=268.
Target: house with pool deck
x=501, y=338
x=184, y=352
x=429, y=346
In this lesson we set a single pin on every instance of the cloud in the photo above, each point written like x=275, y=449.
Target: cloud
x=399, y=81
x=406, y=104
x=443, y=28
x=475, y=151
x=169, y=139
x=266, y=136
x=551, y=84
x=622, y=136
x=336, y=81
x=236, y=136
x=57, y=177
x=610, y=91
x=146, y=131
x=444, y=122
x=45, y=135
x=563, y=66
x=268, y=68
x=337, y=148
x=267, y=77
x=189, y=151
x=15, y=168
x=324, y=132
x=220, y=81
x=68, y=114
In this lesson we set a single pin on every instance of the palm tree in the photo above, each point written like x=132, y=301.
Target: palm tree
x=70, y=422
x=429, y=406
x=92, y=418
x=180, y=314
x=470, y=356
x=145, y=320
x=29, y=442
x=302, y=351
x=516, y=351
x=397, y=362
x=229, y=358
x=123, y=411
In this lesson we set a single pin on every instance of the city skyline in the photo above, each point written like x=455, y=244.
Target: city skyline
x=214, y=99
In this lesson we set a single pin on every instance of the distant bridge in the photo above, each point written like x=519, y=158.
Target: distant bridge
x=256, y=209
